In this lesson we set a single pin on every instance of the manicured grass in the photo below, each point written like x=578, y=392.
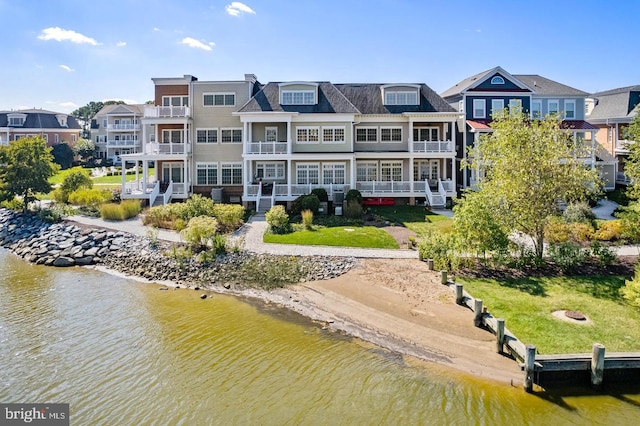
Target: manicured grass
x=347, y=236
x=527, y=304
x=417, y=218
x=112, y=180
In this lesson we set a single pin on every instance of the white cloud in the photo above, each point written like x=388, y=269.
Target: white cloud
x=59, y=34
x=121, y=43
x=66, y=68
x=68, y=105
x=156, y=29
x=236, y=8
x=197, y=44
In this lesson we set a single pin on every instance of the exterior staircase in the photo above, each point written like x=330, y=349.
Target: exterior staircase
x=437, y=199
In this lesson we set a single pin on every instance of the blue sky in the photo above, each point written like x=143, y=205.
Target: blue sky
x=60, y=55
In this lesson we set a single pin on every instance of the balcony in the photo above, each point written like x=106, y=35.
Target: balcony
x=166, y=111
x=622, y=146
x=167, y=148
x=128, y=126
x=266, y=148
x=434, y=146
x=123, y=143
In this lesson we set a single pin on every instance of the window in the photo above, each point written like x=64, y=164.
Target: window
x=104, y=123
x=536, y=109
x=333, y=135
x=570, y=109
x=206, y=173
x=429, y=134
x=46, y=137
x=298, y=97
x=219, y=99
x=391, y=171
x=479, y=106
x=307, y=134
x=172, y=136
x=270, y=171
x=74, y=138
x=271, y=134
x=231, y=173
x=391, y=134
x=366, y=134
x=307, y=174
x=496, y=106
x=175, y=101
x=57, y=138
x=515, y=105
x=333, y=173
x=497, y=80
x=400, y=98
x=231, y=135
x=16, y=121
x=426, y=170
x=207, y=136
x=366, y=171
x=553, y=106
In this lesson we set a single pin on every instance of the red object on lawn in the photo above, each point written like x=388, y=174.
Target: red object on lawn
x=378, y=202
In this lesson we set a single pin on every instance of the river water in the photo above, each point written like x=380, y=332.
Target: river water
x=122, y=352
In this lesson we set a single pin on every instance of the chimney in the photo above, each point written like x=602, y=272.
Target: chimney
x=251, y=78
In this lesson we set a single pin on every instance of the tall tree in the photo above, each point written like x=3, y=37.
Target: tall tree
x=529, y=165
x=26, y=166
x=86, y=113
x=85, y=149
x=632, y=166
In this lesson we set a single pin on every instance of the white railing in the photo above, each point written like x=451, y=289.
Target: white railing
x=166, y=111
x=437, y=199
x=123, y=126
x=166, y=197
x=154, y=194
x=433, y=146
x=267, y=148
x=374, y=187
x=447, y=185
x=623, y=145
x=622, y=178
x=180, y=188
x=428, y=194
x=123, y=142
x=167, y=148
x=254, y=190
x=258, y=196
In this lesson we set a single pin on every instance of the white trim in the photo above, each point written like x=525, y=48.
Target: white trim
x=390, y=97
x=494, y=108
x=430, y=130
x=333, y=166
x=483, y=107
x=539, y=102
x=355, y=137
x=218, y=94
x=497, y=79
x=209, y=166
x=368, y=166
x=307, y=166
x=266, y=133
x=232, y=129
x=304, y=99
x=207, y=130
x=549, y=102
x=279, y=169
x=233, y=166
x=392, y=165
x=171, y=97
x=572, y=102
x=333, y=134
x=391, y=128
x=307, y=130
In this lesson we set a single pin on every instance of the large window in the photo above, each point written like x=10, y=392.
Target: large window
x=333, y=135
x=271, y=134
x=270, y=171
x=16, y=121
x=570, y=109
x=172, y=136
x=391, y=171
x=400, y=97
x=206, y=173
x=536, y=109
x=231, y=173
x=515, y=105
x=366, y=171
x=207, y=136
x=219, y=99
x=307, y=174
x=391, y=134
x=175, y=101
x=479, y=108
x=496, y=106
x=307, y=134
x=231, y=135
x=298, y=97
x=426, y=170
x=333, y=173
x=366, y=134
x=429, y=134
x=553, y=105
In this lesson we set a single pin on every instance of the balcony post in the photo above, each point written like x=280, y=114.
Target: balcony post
x=411, y=134
x=245, y=138
x=411, y=172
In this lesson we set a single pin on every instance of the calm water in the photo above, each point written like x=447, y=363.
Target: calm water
x=125, y=353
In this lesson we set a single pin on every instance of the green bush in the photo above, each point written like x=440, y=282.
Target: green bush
x=567, y=255
x=631, y=289
x=131, y=208
x=311, y=202
x=353, y=195
x=443, y=249
x=611, y=230
x=578, y=212
x=89, y=197
x=321, y=193
x=603, y=254
x=195, y=206
x=123, y=211
x=13, y=204
x=278, y=220
x=353, y=210
x=230, y=216
x=307, y=219
x=73, y=181
x=296, y=206
x=558, y=231
x=200, y=231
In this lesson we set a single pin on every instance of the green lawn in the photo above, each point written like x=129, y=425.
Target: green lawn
x=113, y=180
x=527, y=305
x=417, y=218
x=347, y=236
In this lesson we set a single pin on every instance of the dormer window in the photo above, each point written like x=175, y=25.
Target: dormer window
x=16, y=119
x=298, y=97
x=497, y=80
x=62, y=120
x=393, y=97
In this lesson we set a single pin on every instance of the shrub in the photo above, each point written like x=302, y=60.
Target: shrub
x=321, y=193
x=522, y=256
x=353, y=195
x=278, y=220
x=200, y=231
x=610, y=230
x=603, y=254
x=443, y=249
x=229, y=216
x=131, y=208
x=631, y=289
x=89, y=197
x=74, y=180
x=558, y=231
x=13, y=204
x=567, y=255
x=311, y=202
x=123, y=211
x=353, y=210
x=195, y=206
x=296, y=205
x=307, y=219
x=578, y=212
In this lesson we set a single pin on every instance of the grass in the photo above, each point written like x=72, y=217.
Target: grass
x=527, y=304
x=110, y=180
x=416, y=218
x=346, y=236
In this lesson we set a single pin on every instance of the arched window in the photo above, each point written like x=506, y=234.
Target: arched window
x=497, y=80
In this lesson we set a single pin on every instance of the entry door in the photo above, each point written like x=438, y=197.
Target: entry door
x=173, y=172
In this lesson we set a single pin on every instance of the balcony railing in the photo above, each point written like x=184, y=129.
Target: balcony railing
x=167, y=148
x=166, y=111
x=267, y=148
x=123, y=126
x=622, y=145
x=374, y=187
x=123, y=143
x=433, y=146
x=282, y=189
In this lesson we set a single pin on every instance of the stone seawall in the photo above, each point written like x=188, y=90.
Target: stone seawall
x=66, y=244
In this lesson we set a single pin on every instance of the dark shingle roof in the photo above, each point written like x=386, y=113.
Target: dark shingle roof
x=465, y=84
x=368, y=99
x=39, y=119
x=616, y=103
x=545, y=87
x=330, y=100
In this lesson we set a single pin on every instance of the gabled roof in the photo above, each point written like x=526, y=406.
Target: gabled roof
x=368, y=99
x=473, y=81
x=330, y=100
x=616, y=103
x=39, y=119
x=544, y=87
x=122, y=109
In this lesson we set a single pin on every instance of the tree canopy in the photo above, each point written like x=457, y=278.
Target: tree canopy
x=632, y=166
x=25, y=168
x=528, y=166
x=63, y=155
x=86, y=113
x=85, y=149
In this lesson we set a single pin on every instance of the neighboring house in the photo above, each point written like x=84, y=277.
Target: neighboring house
x=117, y=130
x=273, y=143
x=54, y=127
x=479, y=96
x=611, y=112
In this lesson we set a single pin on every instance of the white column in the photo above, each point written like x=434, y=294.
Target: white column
x=411, y=142
x=289, y=142
x=465, y=180
x=411, y=174
x=289, y=175
x=245, y=137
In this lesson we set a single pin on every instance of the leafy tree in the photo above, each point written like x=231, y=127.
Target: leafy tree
x=25, y=168
x=632, y=166
x=86, y=113
x=63, y=155
x=74, y=180
x=85, y=149
x=528, y=165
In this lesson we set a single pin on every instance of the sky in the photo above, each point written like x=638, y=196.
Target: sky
x=60, y=55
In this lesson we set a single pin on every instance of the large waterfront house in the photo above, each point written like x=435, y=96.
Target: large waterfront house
x=611, y=112
x=479, y=96
x=54, y=127
x=117, y=130
x=266, y=144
